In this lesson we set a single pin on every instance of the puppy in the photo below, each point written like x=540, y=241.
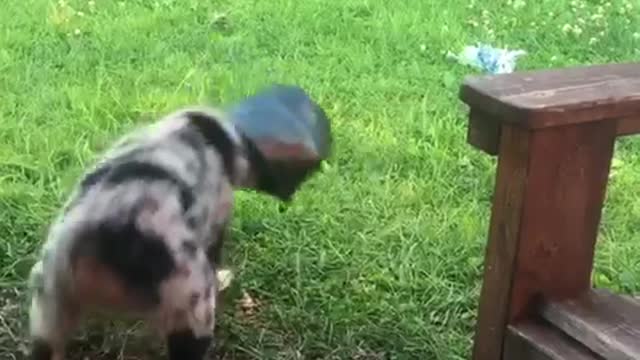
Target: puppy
x=142, y=234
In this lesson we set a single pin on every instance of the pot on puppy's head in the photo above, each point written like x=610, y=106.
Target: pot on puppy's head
x=287, y=136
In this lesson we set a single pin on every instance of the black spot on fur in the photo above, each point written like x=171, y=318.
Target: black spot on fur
x=190, y=248
x=138, y=170
x=94, y=177
x=195, y=141
x=187, y=198
x=184, y=345
x=141, y=260
x=192, y=221
x=88, y=181
x=192, y=139
x=41, y=350
x=215, y=136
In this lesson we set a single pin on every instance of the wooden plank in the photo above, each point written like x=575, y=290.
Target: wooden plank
x=549, y=192
x=546, y=98
x=606, y=323
x=568, y=174
x=502, y=245
x=629, y=125
x=536, y=341
x=483, y=132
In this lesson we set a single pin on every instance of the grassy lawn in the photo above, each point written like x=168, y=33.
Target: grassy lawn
x=380, y=255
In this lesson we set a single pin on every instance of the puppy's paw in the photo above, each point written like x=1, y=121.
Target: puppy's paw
x=224, y=276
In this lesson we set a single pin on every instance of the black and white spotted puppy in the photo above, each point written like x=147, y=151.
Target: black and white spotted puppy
x=142, y=234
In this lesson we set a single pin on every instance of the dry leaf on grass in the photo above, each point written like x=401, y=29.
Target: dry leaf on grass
x=368, y=355
x=247, y=307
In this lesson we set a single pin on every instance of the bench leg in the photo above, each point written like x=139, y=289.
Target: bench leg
x=550, y=188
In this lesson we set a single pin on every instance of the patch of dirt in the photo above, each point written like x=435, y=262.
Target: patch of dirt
x=112, y=340
x=13, y=324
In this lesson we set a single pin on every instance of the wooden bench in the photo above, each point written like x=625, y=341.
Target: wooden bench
x=554, y=133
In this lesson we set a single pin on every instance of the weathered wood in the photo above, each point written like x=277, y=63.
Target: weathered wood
x=566, y=184
x=549, y=192
x=554, y=134
x=483, y=132
x=545, y=98
x=537, y=341
x=629, y=125
x=606, y=323
x=502, y=246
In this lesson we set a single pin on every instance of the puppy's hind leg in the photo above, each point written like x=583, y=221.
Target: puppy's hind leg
x=51, y=321
x=186, y=345
x=191, y=334
x=214, y=255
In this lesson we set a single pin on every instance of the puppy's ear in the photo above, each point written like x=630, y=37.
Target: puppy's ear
x=243, y=162
x=277, y=170
x=219, y=135
x=260, y=174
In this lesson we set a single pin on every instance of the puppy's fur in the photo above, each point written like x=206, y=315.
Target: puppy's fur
x=142, y=234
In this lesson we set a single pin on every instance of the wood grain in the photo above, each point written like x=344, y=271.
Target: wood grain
x=502, y=246
x=629, y=125
x=483, y=132
x=606, y=323
x=537, y=341
x=549, y=192
x=567, y=178
x=555, y=97
x=554, y=133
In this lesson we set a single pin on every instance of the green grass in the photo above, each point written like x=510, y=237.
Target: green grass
x=380, y=255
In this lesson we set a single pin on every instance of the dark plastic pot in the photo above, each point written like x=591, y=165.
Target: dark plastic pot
x=291, y=133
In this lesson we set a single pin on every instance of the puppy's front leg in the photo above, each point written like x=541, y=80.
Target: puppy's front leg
x=185, y=345
x=222, y=234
